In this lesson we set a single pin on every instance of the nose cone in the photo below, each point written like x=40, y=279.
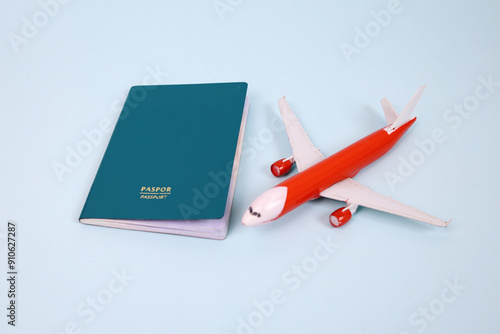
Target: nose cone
x=248, y=219
x=266, y=207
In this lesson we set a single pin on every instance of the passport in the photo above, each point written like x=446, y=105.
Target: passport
x=171, y=163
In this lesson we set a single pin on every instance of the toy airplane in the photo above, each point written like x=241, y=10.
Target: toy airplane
x=332, y=177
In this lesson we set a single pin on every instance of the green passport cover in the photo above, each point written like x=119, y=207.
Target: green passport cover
x=170, y=155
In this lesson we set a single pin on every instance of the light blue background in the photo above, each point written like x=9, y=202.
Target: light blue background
x=74, y=73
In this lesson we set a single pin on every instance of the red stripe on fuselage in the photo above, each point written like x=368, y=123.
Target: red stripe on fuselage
x=346, y=163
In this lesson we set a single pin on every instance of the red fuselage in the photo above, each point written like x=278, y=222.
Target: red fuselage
x=346, y=163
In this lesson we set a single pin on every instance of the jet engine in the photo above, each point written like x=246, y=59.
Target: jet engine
x=282, y=167
x=341, y=216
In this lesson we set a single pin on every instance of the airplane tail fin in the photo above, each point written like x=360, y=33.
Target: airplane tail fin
x=391, y=115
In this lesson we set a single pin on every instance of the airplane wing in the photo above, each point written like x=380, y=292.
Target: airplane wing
x=305, y=153
x=353, y=192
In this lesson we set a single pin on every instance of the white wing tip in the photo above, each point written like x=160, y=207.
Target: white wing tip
x=421, y=89
x=283, y=104
x=443, y=223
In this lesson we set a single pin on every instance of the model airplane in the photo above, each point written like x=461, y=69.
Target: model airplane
x=332, y=177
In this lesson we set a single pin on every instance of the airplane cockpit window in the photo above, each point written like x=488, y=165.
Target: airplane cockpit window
x=253, y=213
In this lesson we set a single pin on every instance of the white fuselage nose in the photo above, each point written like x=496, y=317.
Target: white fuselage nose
x=266, y=207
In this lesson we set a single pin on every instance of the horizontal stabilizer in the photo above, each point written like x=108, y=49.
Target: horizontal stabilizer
x=389, y=112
